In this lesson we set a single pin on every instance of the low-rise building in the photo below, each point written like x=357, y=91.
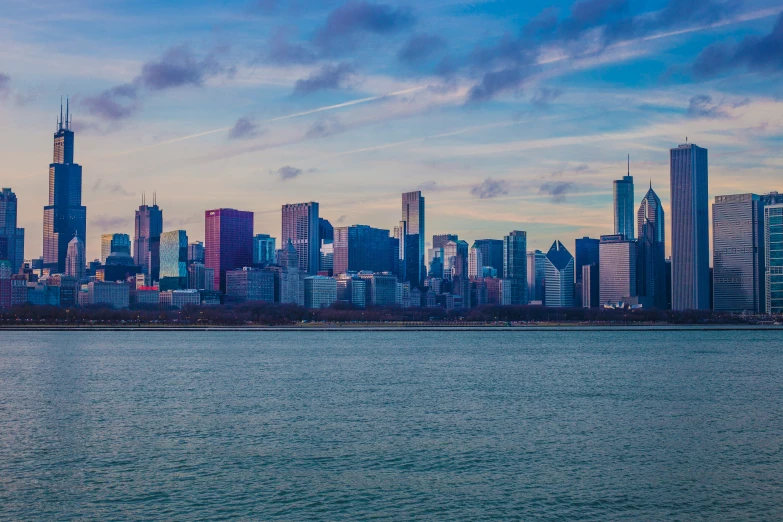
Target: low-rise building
x=320, y=291
x=114, y=295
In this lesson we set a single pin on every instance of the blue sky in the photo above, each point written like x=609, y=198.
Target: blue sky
x=508, y=115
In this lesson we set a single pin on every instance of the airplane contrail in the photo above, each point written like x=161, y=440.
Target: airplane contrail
x=278, y=118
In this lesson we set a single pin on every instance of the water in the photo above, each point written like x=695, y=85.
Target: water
x=391, y=425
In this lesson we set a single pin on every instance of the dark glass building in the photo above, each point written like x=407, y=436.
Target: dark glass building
x=413, y=247
x=11, y=238
x=146, y=240
x=515, y=265
x=651, y=252
x=228, y=238
x=586, y=255
x=64, y=216
x=360, y=247
x=301, y=225
x=491, y=253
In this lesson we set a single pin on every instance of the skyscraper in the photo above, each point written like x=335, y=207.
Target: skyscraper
x=738, y=253
x=146, y=240
x=360, y=247
x=586, y=254
x=624, y=205
x=11, y=236
x=196, y=252
x=536, y=276
x=173, y=260
x=773, y=254
x=113, y=243
x=475, y=262
x=439, y=240
x=559, y=276
x=515, y=265
x=64, y=216
x=617, y=268
x=301, y=226
x=263, y=250
x=690, y=228
x=651, y=254
x=75, y=259
x=228, y=236
x=413, y=217
x=491, y=253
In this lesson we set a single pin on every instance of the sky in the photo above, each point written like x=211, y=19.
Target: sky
x=507, y=115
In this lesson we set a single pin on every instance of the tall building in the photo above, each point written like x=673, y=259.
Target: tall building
x=440, y=240
x=263, y=250
x=773, y=254
x=360, y=247
x=690, y=228
x=651, y=254
x=75, y=259
x=146, y=239
x=301, y=227
x=624, y=205
x=196, y=252
x=590, y=286
x=113, y=243
x=413, y=217
x=325, y=231
x=228, y=235
x=173, y=260
x=64, y=216
x=559, y=291
x=536, y=276
x=586, y=254
x=491, y=253
x=475, y=262
x=617, y=268
x=11, y=237
x=200, y=277
x=738, y=253
x=515, y=265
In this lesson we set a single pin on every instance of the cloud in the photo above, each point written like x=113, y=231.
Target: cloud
x=287, y=172
x=420, y=47
x=557, y=189
x=279, y=50
x=354, y=18
x=702, y=106
x=544, y=96
x=5, y=85
x=177, y=67
x=490, y=188
x=115, y=104
x=324, y=127
x=496, y=82
x=110, y=188
x=244, y=128
x=327, y=77
x=342, y=219
x=754, y=53
x=105, y=222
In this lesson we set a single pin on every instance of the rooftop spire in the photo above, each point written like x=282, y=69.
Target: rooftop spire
x=629, y=164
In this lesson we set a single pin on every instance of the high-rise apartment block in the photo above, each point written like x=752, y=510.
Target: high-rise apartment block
x=690, y=228
x=148, y=225
x=300, y=225
x=624, y=205
x=413, y=251
x=174, y=260
x=228, y=242
x=360, y=247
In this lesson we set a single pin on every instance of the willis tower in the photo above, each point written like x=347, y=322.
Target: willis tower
x=64, y=216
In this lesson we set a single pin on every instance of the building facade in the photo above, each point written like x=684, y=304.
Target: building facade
x=360, y=247
x=75, y=259
x=413, y=251
x=651, y=253
x=536, y=276
x=320, y=291
x=586, y=254
x=515, y=265
x=559, y=291
x=773, y=254
x=623, y=206
x=491, y=253
x=617, y=268
x=64, y=217
x=263, y=250
x=11, y=237
x=196, y=252
x=690, y=228
x=111, y=243
x=148, y=226
x=228, y=242
x=250, y=284
x=174, y=260
x=300, y=225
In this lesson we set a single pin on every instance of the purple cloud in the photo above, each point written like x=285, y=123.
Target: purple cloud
x=244, y=128
x=287, y=172
x=328, y=77
x=115, y=104
x=420, y=47
x=177, y=67
x=490, y=188
x=356, y=17
x=557, y=189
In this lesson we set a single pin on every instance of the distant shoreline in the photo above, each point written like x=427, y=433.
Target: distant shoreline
x=539, y=327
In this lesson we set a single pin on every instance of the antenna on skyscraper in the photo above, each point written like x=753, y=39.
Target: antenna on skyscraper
x=67, y=113
x=60, y=121
x=629, y=164
x=154, y=198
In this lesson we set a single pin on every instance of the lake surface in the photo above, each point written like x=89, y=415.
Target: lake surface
x=552, y=425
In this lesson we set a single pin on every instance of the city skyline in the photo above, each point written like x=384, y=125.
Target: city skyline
x=526, y=155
